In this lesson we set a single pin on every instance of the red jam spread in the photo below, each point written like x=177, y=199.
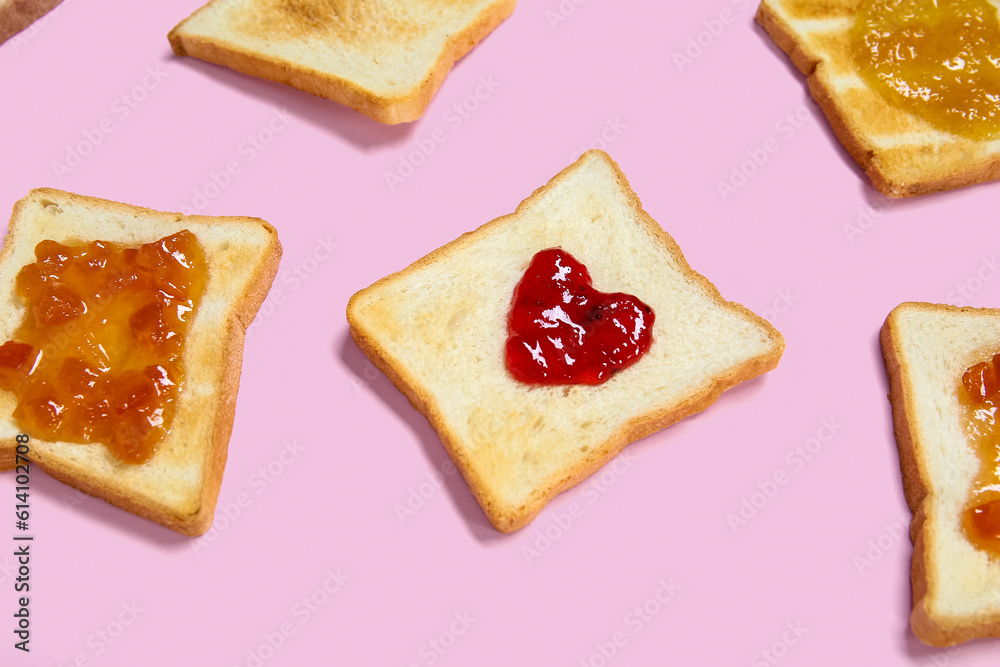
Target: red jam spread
x=563, y=331
x=980, y=397
x=98, y=356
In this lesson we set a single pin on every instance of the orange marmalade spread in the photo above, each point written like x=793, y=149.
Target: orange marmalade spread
x=98, y=355
x=980, y=397
x=936, y=59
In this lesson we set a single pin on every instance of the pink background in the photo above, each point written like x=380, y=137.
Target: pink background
x=826, y=554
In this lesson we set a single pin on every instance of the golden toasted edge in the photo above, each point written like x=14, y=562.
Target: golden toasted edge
x=929, y=629
x=388, y=110
x=915, y=487
x=506, y=518
x=245, y=309
x=215, y=454
x=19, y=14
x=864, y=154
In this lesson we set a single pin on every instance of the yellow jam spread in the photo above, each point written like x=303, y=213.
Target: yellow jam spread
x=936, y=59
x=980, y=398
x=98, y=355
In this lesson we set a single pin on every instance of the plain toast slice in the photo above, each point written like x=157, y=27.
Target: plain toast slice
x=438, y=329
x=927, y=349
x=903, y=154
x=177, y=487
x=384, y=58
x=16, y=15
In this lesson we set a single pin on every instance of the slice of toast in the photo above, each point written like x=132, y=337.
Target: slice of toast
x=16, y=15
x=384, y=58
x=177, y=487
x=439, y=328
x=902, y=154
x=927, y=349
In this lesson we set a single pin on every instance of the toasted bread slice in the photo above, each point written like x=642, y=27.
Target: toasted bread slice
x=438, y=329
x=927, y=349
x=384, y=58
x=16, y=15
x=902, y=154
x=177, y=487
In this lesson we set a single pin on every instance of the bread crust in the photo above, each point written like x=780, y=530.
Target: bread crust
x=213, y=454
x=505, y=518
x=865, y=154
x=384, y=109
x=929, y=627
x=16, y=15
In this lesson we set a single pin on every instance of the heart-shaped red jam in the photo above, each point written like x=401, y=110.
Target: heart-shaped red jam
x=563, y=331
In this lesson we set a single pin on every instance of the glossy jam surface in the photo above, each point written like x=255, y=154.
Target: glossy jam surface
x=936, y=59
x=563, y=331
x=980, y=397
x=98, y=355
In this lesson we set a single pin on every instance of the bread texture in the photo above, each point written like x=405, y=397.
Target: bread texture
x=177, y=487
x=927, y=349
x=438, y=329
x=16, y=15
x=902, y=154
x=384, y=58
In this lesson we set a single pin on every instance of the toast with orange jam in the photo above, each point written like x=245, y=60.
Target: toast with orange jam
x=944, y=386
x=121, y=343
x=909, y=86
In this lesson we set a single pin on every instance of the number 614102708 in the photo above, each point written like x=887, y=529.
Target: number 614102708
x=23, y=471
